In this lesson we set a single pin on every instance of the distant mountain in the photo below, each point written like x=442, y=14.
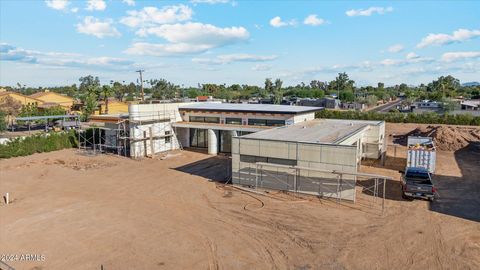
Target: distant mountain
x=471, y=84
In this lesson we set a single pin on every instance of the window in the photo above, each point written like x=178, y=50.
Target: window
x=233, y=121
x=198, y=138
x=168, y=139
x=266, y=122
x=275, y=123
x=204, y=119
x=257, y=122
x=212, y=119
x=255, y=159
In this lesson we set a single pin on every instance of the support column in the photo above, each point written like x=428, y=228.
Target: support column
x=212, y=142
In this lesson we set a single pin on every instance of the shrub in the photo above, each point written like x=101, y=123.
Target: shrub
x=3, y=122
x=397, y=117
x=38, y=143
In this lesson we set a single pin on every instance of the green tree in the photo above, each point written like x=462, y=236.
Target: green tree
x=269, y=86
x=163, y=89
x=3, y=121
x=446, y=85
x=107, y=92
x=347, y=96
x=277, y=91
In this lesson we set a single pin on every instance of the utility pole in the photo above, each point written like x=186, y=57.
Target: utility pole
x=141, y=82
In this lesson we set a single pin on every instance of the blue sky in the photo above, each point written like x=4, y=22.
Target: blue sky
x=54, y=42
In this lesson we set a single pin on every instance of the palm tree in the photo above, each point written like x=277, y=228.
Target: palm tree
x=106, y=92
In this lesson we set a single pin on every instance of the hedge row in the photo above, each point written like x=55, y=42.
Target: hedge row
x=397, y=117
x=38, y=143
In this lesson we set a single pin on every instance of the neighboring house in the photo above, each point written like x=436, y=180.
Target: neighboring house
x=24, y=100
x=114, y=107
x=426, y=106
x=328, y=103
x=470, y=105
x=204, y=98
x=353, y=106
x=52, y=99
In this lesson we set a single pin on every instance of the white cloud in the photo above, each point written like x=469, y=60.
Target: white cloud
x=96, y=5
x=261, y=67
x=369, y=11
x=198, y=33
x=57, y=4
x=74, y=10
x=153, y=49
x=395, y=48
x=443, y=39
x=230, y=58
x=60, y=59
x=151, y=16
x=129, y=2
x=277, y=22
x=98, y=28
x=411, y=58
x=313, y=20
x=455, y=56
x=412, y=55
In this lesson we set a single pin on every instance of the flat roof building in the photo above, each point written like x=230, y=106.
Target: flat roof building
x=212, y=125
x=318, y=146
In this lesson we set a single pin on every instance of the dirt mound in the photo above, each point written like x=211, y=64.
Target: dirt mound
x=446, y=138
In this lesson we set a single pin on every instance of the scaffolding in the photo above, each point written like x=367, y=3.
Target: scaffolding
x=120, y=140
x=93, y=139
x=324, y=183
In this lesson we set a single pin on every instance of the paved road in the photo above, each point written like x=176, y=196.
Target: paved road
x=387, y=107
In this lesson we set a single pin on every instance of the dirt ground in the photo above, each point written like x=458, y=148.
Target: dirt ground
x=84, y=212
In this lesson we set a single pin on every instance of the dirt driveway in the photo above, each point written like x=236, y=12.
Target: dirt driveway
x=82, y=212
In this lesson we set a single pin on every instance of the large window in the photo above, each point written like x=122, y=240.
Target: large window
x=198, y=138
x=255, y=159
x=266, y=122
x=204, y=119
x=233, y=121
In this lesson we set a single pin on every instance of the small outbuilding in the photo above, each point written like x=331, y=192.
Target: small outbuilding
x=318, y=147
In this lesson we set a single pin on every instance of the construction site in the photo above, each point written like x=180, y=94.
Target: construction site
x=182, y=186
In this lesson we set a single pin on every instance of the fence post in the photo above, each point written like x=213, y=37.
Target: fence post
x=384, y=187
x=256, y=175
x=338, y=187
x=295, y=180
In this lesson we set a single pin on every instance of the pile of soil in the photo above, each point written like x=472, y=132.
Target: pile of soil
x=446, y=138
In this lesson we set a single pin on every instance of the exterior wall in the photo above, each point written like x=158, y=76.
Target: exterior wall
x=319, y=156
x=289, y=118
x=140, y=145
x=370, y=142
x=183, y=136
x=158, y=117
x=374, y=141
x=303, y=117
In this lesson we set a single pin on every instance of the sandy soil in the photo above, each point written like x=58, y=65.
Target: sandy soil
x=82, y=212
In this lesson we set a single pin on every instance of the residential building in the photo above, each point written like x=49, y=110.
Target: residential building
x=22, y=99
x=327, y=103
x=470, y=105
x=52, y=99
x=318, y=147
x=212, y=125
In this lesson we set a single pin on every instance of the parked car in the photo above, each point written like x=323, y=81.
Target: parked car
x=417, y=183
